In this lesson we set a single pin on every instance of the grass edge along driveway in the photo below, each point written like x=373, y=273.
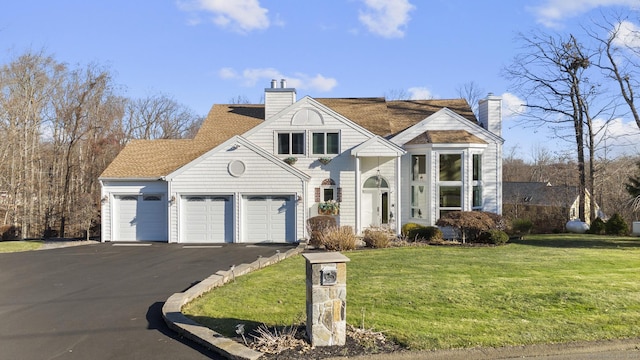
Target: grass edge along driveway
x=544, y=289
x=16, y=246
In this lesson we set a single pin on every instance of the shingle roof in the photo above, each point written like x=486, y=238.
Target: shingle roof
x=156, y=158
x=538, y=193
x=387, y=118
x=446, y=137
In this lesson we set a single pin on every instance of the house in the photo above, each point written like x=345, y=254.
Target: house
x=548, y=207
x=256, y=173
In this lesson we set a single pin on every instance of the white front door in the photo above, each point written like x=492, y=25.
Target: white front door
x=375, y=207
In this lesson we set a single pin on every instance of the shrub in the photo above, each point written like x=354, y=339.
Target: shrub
x=339, y=238
x=470, y=223
x=408, y=227
x=425, y=233
x=521, y=226
x=598, y=227
x=500, y=222
x=616, y=226
x=10, y=232
x=376, y=238
x=317, y=225
x=494, y=236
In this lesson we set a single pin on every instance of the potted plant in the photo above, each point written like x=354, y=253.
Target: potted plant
x=324, y=160
x=291, y=160
x=329, y=207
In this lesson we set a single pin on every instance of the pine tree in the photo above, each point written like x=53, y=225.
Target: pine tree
x=633, y=186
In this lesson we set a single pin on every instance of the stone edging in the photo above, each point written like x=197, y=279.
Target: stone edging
x=172, y=309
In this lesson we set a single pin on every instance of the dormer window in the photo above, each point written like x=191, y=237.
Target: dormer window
x=326, y=143
x=291, y=143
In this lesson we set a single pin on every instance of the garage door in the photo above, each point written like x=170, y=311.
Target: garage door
x=141, y=218
x=207, y=219
x=269, y=218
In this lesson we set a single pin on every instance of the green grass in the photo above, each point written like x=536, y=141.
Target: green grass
x=15, y=246
x=544, y=289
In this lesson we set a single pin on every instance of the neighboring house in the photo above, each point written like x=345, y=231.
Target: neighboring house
x=385, y=163
x=548, y=207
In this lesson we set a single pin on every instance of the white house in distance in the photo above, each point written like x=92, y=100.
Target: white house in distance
x=385, y=163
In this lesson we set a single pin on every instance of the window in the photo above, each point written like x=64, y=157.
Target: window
x=419, y=186
x=326, y=143
x=450, y=167
x=477, y=186
x=290, y=143
x=450, y=185
x=328, y=193
x=477, y=167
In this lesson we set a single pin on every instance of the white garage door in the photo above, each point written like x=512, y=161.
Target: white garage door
x=141, y=218
x=207, y=219
x=269, y=218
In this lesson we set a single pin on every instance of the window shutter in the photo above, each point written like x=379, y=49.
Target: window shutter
x=317, y=194
x=339, y=196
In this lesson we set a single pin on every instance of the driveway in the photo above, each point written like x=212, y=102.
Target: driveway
x=103, y=301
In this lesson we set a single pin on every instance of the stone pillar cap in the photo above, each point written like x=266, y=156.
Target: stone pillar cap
x=325, y=257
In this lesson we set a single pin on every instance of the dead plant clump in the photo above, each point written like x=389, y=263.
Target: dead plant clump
x=339, y=239
x=377, y=238
x=291, y=343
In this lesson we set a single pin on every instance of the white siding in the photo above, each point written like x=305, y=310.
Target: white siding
x=211, y=176
x=341, y=169
x=111, y=188
x=491, y=163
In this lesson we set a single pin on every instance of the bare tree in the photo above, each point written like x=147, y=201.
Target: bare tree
x=471, y=92
x=158, y=117
x=552, y=75
x=619, y=50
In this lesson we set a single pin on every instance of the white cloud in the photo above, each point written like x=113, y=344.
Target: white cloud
x=552, y=12
x=512, y=106
x=256, y=76
x=386, y=18
x=617, y=135
x=420, y=93
x=628, y=35
x=239, y=15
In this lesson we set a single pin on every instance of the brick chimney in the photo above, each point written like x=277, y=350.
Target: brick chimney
x=490, y=113
x=277, y=98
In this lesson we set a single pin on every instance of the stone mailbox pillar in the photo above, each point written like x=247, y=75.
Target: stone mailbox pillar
x=326, y=298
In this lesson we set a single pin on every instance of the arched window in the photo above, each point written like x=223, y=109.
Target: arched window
x=375, y=182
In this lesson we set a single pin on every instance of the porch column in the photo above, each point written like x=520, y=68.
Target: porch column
x=398, y=208
x=358, y=196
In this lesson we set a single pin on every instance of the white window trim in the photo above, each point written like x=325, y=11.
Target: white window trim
x=276, y=142
x=325, y=132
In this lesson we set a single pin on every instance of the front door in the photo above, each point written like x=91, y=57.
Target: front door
x=375, y=202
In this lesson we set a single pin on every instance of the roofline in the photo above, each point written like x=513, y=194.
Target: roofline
x=155, y=178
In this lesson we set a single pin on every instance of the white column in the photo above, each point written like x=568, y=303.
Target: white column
x=398, y=208
x=358, y=197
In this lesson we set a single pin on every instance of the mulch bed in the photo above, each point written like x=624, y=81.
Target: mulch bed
x=292, y=344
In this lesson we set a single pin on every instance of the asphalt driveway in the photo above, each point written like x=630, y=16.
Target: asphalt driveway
x=103, y=301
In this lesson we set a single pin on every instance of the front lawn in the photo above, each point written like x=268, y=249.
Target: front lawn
x=15, y=246
x=544, y=289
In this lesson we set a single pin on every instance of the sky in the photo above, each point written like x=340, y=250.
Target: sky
x=205, y=52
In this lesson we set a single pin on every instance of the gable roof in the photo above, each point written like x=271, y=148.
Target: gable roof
x=387, y=118
x=538, y=194
x=152, y=159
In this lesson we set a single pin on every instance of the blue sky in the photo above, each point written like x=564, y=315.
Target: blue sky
x=202, y=52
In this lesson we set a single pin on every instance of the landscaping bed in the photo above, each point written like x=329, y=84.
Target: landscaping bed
x=543, y=289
